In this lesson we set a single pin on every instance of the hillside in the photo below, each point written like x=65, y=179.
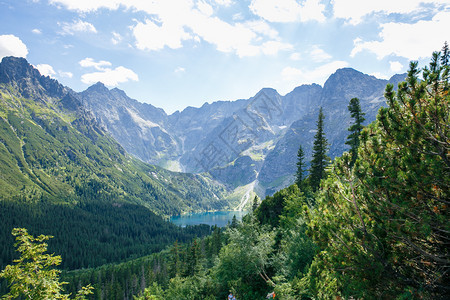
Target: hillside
x=52, y=147
x=62, y=174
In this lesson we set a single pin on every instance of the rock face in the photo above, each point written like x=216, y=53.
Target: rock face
x=243, y=141
x=21, y=75
x=138, y=127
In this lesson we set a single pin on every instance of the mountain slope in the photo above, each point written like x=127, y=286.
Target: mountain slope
x=52, y=147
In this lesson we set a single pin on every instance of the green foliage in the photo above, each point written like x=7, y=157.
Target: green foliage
x=153, y=292
x=32, y=275
x=355, y=129
x=382, y=228
x=255, y=203
x=92, y=234
x=445, y=55
x=320, y=160
x=300, y=175
x=243, y=263
x=270, y=210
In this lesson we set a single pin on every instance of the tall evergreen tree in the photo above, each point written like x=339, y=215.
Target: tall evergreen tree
x=300, y=167
x=445, y=55
x=445, y=65
x=320, y=159
x=355, y=129
x=255, y=203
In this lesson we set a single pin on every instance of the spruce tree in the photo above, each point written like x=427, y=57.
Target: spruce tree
x=300, y=167
x=320, y=159
x=445, y=55
x=255, y=203
x=355, y=129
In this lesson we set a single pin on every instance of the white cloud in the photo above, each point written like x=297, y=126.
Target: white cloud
x=225, y=3
x=46, y=70
x=238, y=16
x=290, y=73
x=179, y=70
x=295, y=56
x=379, y=75
x=319, y=55
x=205, y=8
x=355, y=10
x=151, y=36
x=65, y=74
x=87, y=5
x=166, y=26
x=412, y=41
x=11, y=45
x=110, y=77
x=288, y=10
x=117, y=38
x=312, y=10
x=36, y=31
x=308, y=76
x=273, y=47
x=262, y=27
x=395, y=66
x=77, y=26
x=89, y=62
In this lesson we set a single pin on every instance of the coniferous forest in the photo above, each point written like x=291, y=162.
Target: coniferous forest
x=371, y=224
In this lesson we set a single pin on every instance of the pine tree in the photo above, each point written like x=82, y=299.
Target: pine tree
x=353, y=139
x=255, y=203
x=445, y=64
x=445, y=55
x=234, y=222
x=320, y=159
x=300, y=168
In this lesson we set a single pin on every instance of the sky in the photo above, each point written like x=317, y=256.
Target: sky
x=178, y=53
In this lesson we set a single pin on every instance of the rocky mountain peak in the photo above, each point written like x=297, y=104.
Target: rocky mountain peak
x=99, y=87
x=29, y=81
x=346, y=75
x=15, y=69
x=397, y=78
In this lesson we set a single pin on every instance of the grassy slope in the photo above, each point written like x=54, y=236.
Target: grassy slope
x=49, y=151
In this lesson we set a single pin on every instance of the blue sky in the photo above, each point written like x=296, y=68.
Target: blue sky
x=178, y=53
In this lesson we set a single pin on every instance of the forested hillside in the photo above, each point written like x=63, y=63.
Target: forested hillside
x=62, y=174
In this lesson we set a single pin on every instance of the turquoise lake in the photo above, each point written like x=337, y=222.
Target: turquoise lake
x=219, y=218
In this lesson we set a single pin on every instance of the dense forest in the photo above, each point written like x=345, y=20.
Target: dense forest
x=92, y=234
x=372, y=224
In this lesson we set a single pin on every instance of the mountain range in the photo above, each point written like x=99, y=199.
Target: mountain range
x=219, y=155
x=249, y=145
